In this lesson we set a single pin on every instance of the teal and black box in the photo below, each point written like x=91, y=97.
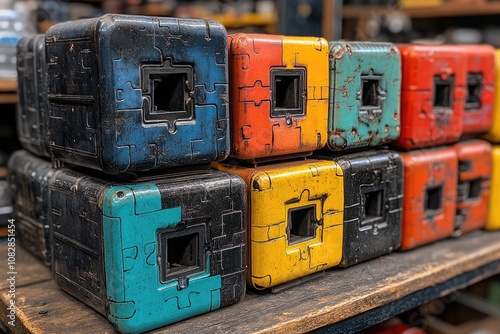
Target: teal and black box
x=135, y=93
x=364, y=101
x=153, y=252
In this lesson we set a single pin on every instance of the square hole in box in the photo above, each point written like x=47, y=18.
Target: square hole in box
x=474, y=189
x=370, y=96
x=433, y=199
x=443, y=92
x=474, y=84
x=169, y=92
x=374, y=205
x=181, y=253
x=287, y=92
x=301, y=224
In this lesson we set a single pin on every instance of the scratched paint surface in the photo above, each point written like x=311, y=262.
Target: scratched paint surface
x=373, y=203
x=29, y=178
x=430, y=195
x=473, y=188
x=425, y=123
x=258, y=62
x=109, y=92
x=353, y=120
x=109, y=250
x=33, y=108
x=275, y=192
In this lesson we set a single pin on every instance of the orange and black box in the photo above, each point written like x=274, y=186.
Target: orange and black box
x=430, y=195
x=432, y=95
x=480, y=92
x=473, y=188
x=278, y=95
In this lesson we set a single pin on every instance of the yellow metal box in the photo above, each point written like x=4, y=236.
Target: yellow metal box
x=295, y=219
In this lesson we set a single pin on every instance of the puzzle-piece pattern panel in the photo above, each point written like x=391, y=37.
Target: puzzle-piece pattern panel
x=29, y=178
x=493, y=134
x=262, y=125
x=76, y=234
x=365, y=81
x=141, y=122
x=493, y=222
x=480, y=97
x=117, y=272
x=430, y=195
x=473, y=188
x=429, y=118
x=373, y=203
x=281, y=197
x=32, y=111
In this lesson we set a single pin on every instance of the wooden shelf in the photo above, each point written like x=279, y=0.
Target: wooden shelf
x=445, y=10
x=352, y=298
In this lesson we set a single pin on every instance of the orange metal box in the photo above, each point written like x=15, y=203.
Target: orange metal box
x=432, y=95
x=480, y=92
x=278, y=95
x=430, y=195
x=473, y=189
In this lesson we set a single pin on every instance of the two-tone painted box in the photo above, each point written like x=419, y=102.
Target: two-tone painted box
x=279, y=95
x=151, y=252
x=295, y=219
x=134, y=93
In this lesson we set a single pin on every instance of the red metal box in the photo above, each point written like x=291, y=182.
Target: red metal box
x=432, y=95
x=473, y=189
x=430, y=195
x=480, y=88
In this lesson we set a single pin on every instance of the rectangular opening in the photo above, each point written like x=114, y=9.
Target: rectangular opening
x=181, y=253
x=474, y=189
x=464, y=165
x=169, y=92
x=370, y=93
x=433, y=199
x=374, y=205
x=301, y=224
x=474, y=84
x=288, y=92
x=443, y=92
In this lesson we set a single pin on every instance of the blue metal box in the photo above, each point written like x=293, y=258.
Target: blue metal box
x=135, y=93
x=153, y=252
x=365, y=80
x=32, y=108
x=29, y=178
x=373, y=204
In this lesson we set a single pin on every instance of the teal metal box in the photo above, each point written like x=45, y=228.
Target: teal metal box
x=365, y=81
x=152, y=252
